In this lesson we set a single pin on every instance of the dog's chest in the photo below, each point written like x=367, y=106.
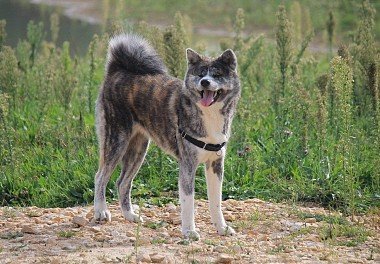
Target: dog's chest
x=214, y=124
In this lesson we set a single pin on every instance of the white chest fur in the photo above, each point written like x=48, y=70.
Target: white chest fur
x=213, y=121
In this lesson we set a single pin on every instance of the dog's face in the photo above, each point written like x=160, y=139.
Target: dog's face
x=212, y=80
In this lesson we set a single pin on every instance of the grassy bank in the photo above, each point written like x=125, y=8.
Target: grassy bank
x=307, y=126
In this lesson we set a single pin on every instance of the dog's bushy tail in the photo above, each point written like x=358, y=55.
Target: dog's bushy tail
x=133, y=54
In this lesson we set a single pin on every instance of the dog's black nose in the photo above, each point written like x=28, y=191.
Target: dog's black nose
x=205, y=83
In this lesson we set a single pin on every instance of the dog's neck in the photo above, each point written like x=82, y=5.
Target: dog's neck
x=214, y=123
x=209, y=124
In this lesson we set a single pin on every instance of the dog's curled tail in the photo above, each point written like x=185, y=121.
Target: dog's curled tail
x=133, y=54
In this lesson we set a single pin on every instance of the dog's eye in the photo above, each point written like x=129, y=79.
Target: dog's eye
x=202, y=72
x=217, y=74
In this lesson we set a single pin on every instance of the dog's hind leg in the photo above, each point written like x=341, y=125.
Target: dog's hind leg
x=131, y=163
x=109, y=158
x=113, y=142
x=214, y=179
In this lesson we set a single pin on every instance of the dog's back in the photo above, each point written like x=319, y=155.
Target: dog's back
x=137, y=95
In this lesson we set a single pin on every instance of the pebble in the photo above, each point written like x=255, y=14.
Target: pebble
x=57, y=219
x=150, y=214
x=95, y=229
x=130, y=233
x=55, y=261
x=176, y=220
x=142, y=241
x=354, y=260
x=156, y=258
x=102, y=238
x=220, y=249
x=224, y=258
x=171, y=208
x=69, y=248
x=144, y=258
x=80, y=221
x=164, y=234
x=229, y=217
x=90, y=214
x=29, y=230
x=237, y=248
x=310, y=220
x=68, y=213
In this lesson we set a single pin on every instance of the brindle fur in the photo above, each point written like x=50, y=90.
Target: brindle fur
x=139, y=101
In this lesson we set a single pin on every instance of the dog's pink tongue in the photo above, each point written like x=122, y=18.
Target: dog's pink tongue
x=208, y=98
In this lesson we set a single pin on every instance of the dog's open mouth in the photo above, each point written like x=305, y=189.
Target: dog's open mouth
x=209, y=97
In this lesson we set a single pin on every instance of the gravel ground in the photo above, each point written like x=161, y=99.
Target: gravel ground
x=266, y=233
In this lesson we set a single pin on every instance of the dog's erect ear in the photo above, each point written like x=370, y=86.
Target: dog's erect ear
x=192, y=56
x=229, y=58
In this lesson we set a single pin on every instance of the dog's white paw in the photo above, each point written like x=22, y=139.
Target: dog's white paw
x=102, y=216
x=191, y=235
x=132, y=217
x=226, y=231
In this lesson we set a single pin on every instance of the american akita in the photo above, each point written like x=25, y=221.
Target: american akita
x=189, y=119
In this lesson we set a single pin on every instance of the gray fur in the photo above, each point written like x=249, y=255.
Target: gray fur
x=139, y=101
x=217, y=167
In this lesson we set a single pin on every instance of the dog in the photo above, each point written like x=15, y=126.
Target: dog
x=190, y=120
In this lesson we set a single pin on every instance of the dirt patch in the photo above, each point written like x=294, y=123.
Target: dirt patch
x=266, y=233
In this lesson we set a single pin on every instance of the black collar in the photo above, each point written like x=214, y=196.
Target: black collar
x=201, y=144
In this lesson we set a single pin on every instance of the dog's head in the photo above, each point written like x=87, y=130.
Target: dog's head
x=212, y=80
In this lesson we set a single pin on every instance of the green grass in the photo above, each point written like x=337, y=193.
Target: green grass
x=304, y=142
x=344, y=235
x=66, y=234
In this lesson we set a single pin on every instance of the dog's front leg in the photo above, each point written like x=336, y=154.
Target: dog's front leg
x=186, y=197
x=214, y=179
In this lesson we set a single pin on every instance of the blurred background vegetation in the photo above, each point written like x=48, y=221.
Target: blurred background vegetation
x=307, y=127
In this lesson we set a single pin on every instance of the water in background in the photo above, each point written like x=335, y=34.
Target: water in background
x=18, y=13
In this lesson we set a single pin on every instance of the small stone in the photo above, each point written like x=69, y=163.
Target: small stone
x=171, y=208
x=220, y=249
x=229, y=217
x=95, y=229
x=29, y=230
x=130, y=233
x=54, y=210
x=174, y=219
x=69, y=248
x=150, y=213
x=68, y=213
x=175, y=233
x=90, y=214
x=156, y=258
x=142, y=241
x=224, y=258
x=237, y=248
x=354, y=260
x=310, y=220
x=252, y=233
x=263, y=238
x=102, y=238
x=254, y=200
x=144, y=258
x=80, y=221
x=57, y=219
x=55, y=261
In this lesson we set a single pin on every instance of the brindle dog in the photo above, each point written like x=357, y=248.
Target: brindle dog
x=190, y=120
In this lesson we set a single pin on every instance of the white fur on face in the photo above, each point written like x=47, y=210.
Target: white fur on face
x=214, y=86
